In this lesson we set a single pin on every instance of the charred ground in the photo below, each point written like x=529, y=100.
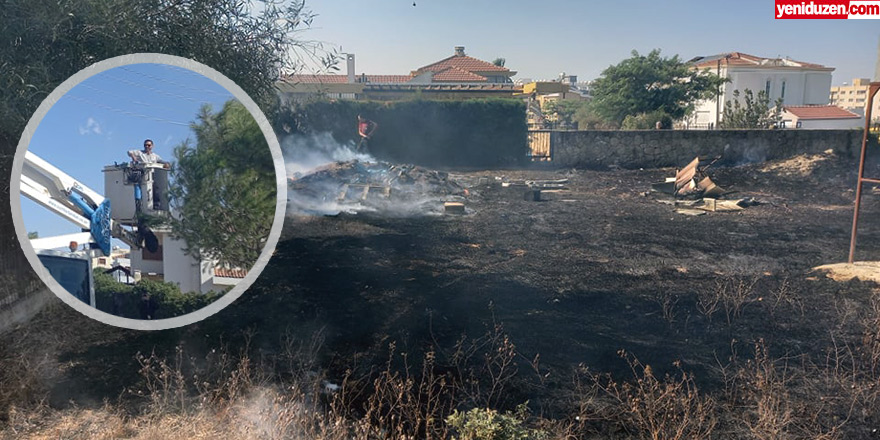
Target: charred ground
x=603, y=267
x=594, y=270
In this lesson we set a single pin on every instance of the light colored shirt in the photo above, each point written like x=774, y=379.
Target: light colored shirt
x=142, y=157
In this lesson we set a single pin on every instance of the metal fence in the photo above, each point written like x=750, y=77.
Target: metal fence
x=540, y=145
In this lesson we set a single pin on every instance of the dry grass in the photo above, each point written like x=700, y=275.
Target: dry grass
x=227, y=394
x=646, y=407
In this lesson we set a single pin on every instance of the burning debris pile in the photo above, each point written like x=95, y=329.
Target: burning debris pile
x=357, y=186
x=695, y=193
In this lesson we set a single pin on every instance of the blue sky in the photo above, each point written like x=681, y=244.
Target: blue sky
x=541, y=39
x=100, y=119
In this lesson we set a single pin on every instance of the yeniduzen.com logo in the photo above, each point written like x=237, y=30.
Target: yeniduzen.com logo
x=827, y=9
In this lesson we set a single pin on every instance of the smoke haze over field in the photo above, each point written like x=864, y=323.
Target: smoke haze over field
x=328, y=178
x=305, y=153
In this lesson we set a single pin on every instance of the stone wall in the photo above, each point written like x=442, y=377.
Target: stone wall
x=668, y=148
x=21, y=293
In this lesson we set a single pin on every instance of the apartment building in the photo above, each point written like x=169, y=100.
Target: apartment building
x=854, y=97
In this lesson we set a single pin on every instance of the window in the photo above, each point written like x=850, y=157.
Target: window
x=767, y=88
x=782, y=94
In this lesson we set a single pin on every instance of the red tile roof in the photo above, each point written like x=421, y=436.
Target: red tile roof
x=746, y=60
x=458, y=68
x=456, y=74
x=442, y=87
x=466, y=63
x=820, y=112
x=229, y=273
x=342, y=79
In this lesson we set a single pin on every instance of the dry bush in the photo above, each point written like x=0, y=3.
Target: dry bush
x=776, y=398
x=400, y=402
x=731, y=294
x=871, y=337
x=647, y=407
x=397, y=402
x=28, y=355
x=765, y=392
x=228, y=394
x=484, y=367
x=785, y=295
x=104, y=423
x=667, y=301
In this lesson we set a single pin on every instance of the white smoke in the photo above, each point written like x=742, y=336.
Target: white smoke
x=304, y=153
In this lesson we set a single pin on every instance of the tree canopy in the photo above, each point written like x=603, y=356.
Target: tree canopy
x=648, y=83
x=752, y=112
x=223, y=192
x=47, y=41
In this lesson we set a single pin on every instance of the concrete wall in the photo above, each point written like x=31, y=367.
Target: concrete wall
x=667, y=148
x=830, y=124
x=22, y=294
x=19, y=310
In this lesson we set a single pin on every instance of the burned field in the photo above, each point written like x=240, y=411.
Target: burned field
x=598, y=266
x=602, y=304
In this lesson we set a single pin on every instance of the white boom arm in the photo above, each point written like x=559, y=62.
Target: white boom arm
x=50, y=187
x=58, y=192
x=60, y=241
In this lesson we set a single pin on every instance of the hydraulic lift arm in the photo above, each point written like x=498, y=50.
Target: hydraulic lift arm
x=58, y=192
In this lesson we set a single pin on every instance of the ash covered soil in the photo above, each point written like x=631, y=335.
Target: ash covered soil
x=599, y=268
x=593, y=270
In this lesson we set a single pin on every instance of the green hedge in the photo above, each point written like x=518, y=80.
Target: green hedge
x=147, y=299
x=471, y=133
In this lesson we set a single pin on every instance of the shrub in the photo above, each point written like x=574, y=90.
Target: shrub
x=488, y=424
x=147, y=299
x=647, y=121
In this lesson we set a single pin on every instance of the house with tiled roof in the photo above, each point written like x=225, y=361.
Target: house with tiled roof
x=456, y=77
x=462, y=68
x=797, y=83
x=820, y=117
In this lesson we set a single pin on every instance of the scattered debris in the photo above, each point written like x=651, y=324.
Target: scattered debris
x=532, y=195
x=454, y=207
x=695, y=193
x=691, y=212
x=534, y=188
x=713, y=205
x=375, y=186
x=690, y=181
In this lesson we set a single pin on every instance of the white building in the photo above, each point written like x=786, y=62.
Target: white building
x=796, y=82
x=821, y=117
x=170, y=262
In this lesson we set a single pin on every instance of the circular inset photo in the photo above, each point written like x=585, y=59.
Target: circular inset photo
x=148, y=191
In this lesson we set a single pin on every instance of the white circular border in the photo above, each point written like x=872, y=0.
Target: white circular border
x=280, y=205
